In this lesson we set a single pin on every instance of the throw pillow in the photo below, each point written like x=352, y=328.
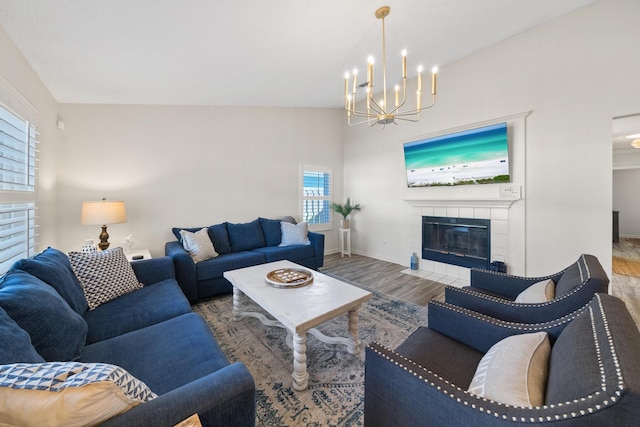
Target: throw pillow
x=52, y=267
x=67, y=393
x=542, y=291
x=271, y=230
x=295, y=234
x=198, y=245
x=104, y=275
x=16, y=343
x=245, y=237
x=514, y=371
x=56, y=331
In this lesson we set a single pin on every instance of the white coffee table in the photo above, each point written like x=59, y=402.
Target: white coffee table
x=299, y=310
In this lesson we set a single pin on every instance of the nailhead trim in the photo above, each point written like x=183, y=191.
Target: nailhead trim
x=512, y=325
x=604, y=396
x=585, y=276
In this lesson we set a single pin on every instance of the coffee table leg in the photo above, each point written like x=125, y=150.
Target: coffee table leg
x=353, y=345
x=237, y=294
x=300, y=375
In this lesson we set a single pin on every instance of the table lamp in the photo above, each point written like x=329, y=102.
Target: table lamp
x=102, y=213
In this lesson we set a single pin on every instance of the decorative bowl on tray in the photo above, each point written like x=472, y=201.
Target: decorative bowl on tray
x=289, y=278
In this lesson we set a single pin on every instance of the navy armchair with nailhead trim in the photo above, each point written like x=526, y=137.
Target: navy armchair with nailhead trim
x=495, y=294
x=593, y=371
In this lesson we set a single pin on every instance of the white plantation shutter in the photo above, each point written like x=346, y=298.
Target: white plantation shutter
x=18, y=172
x=316, y=196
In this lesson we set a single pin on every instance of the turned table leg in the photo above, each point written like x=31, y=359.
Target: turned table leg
x=237, y=294
x=300, y=375
x=353, y=345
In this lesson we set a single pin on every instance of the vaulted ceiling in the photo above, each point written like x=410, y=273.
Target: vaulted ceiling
x=247, y=52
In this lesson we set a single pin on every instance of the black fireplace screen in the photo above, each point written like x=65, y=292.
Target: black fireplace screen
x=459, y=241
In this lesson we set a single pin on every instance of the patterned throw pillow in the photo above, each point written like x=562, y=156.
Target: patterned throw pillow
x=67, y=393
x=104, y=275
x=198, y=244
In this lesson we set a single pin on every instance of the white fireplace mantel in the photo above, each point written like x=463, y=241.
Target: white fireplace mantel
x=467, y=203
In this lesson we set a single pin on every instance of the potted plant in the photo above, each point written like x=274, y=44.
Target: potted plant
x=345, y=210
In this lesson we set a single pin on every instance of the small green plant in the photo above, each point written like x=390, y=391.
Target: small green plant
x=345, y=209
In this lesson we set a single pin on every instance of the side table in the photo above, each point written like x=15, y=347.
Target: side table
x=138, y=252
x=345, y=242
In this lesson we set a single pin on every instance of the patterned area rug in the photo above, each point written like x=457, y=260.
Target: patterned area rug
x=335, y=396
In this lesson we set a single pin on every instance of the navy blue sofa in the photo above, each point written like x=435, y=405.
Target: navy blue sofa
x=238, y=245
x=593, y=371
x=150, y=332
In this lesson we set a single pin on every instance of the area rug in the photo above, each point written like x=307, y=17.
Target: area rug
x=626, y=266
x=335, y=396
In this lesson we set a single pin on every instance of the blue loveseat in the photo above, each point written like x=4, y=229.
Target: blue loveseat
x=238, y=245
x=151, y=332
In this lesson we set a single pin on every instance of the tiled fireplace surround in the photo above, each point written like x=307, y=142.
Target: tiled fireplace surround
x=506, y=225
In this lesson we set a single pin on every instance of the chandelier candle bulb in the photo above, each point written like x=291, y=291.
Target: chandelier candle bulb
x=404, y=63
x=355, y=76
x=420, y=78
x=397, y=95
x=434, y=71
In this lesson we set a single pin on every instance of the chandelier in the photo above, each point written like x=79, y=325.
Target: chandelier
x=380, y=111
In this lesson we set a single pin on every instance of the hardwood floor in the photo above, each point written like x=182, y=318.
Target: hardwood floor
x=387, y=277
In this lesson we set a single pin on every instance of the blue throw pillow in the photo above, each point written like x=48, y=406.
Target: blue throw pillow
x=271, y=230
x=53, y=267
x=57, y=332
x=16, y=344
x=247, y=236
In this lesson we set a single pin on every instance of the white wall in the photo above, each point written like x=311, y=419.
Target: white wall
x=626, y=200
x=18, y=74
x=564, y=73
x=188, y=166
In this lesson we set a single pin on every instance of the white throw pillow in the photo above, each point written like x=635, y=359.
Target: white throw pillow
x=103, y=275
x=198, y=245
x=542, y=291
x=67, y=393
x=294, y=234
x=514, y=371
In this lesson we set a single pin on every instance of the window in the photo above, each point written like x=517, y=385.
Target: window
x=316, y=197
x=18, y=156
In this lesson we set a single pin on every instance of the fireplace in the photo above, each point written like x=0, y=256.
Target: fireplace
x=459, y=241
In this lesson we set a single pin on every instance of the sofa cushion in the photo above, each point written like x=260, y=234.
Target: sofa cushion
x=294, y=234
x=292, y=253
x=181, y=349
x=217, y=233
x=104, y=275
x=541, y=291
x=52, y=267
x=271, y=230
x=16, y=343
x=198, y=245
x=57, y=332
x=514, y=370
x=67, y=393
x=136, y=310
x=246, y=236
x=215, y=267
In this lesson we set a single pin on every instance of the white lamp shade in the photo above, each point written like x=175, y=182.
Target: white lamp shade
x=103, y=212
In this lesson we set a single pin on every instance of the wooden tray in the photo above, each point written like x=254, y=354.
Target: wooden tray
x=289, y=278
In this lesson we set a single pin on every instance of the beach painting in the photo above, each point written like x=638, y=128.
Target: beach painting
x=475, y=156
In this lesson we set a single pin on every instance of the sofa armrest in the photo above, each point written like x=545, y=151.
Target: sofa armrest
x=504, y=284
x=223, y=398
x=185, y=269
x=150, y=271
x=480, y=331
x=317, y=241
